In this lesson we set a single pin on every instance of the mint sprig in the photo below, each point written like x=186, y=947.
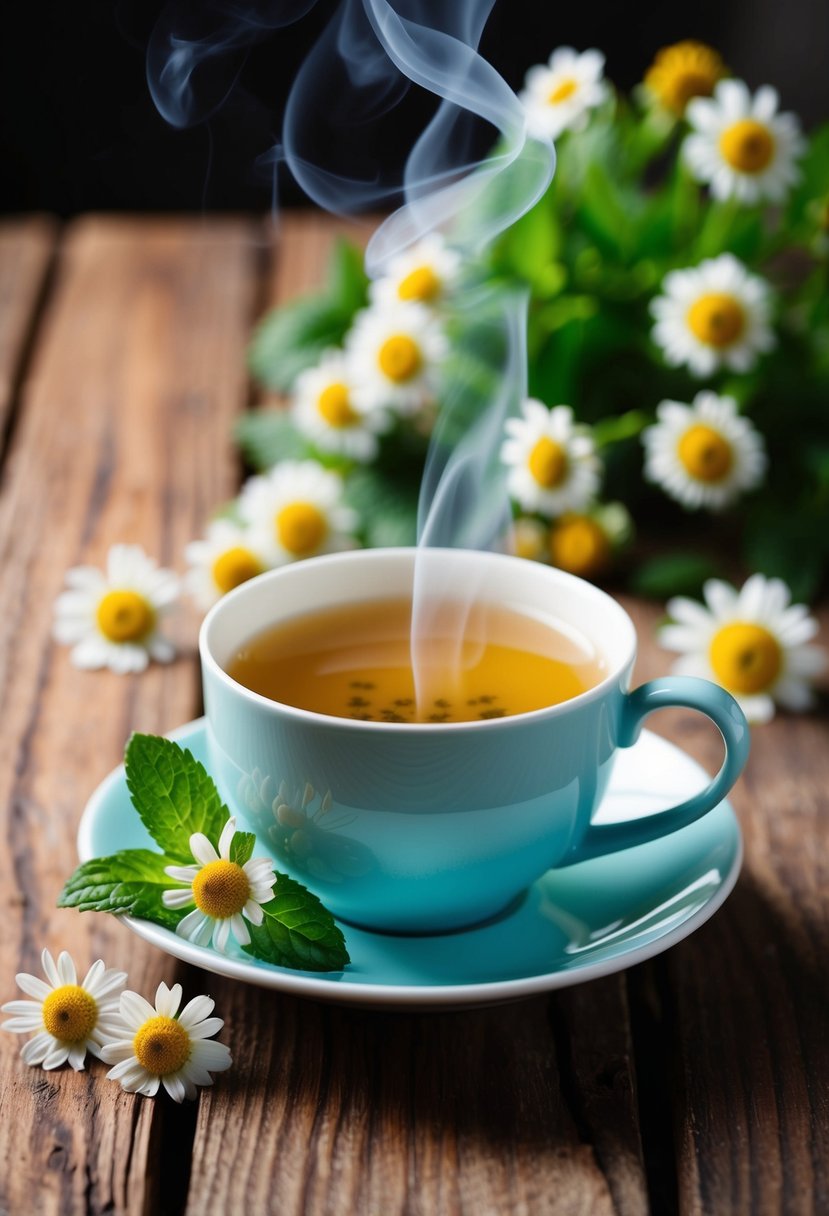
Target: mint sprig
x=173, y=794
x=175, y=797
x=297, y=931
x=130, y=883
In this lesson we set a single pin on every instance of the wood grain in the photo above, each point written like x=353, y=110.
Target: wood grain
x=521, y=1109
x=743, y=1002
x=26, y=249
x=695, y=1083
x=122, y=436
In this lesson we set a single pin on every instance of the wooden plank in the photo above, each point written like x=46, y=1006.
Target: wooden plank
x=743, y=1002
x=527, y=1109
x=26, y=248
x=122, y=436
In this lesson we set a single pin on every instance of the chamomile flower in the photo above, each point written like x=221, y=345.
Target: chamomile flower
x=160, y=1046
x=114, y=619
x=225, y=893
x=740, y=146
x=713, y=315
x=69, y=1019
x=753, y=642
x=704, y=454
x=423, y=273
x=559, y=96
x=296, y=510
x=682, y=71
x=583, y=543
x=326, y=411
x=394, y=354
x=552, y=462
x=227, y=557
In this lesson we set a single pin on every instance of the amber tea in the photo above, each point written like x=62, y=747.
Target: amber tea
x=354, y=661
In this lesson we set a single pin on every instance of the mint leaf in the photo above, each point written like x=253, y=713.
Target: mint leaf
x=297, y=931
x=241, y=847
x=129, y=882
x=173, y=794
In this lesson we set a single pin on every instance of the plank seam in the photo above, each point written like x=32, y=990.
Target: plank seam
x=27, y=349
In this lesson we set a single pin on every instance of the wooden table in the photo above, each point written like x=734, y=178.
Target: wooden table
x=698, y=1082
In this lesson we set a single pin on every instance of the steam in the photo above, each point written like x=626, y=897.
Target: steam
x=357, y=74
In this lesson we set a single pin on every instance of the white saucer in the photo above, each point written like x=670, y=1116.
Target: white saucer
x=574, y=924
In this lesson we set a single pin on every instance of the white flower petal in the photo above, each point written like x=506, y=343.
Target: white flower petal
x=33, y=986
x=175, y=1087
x=66, y=969
x=205, y=1028
x=195, y=1010
x=202, y=849
x=135, y=1010
x=120, y=1050
x=167, y=1000
x=178, y=898
x=35, y=1051
x=210, y=1054
x=226, y=838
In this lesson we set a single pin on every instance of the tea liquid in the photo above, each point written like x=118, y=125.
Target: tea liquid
x=354, y=661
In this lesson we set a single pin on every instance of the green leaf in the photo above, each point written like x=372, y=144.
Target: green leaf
x=297, y=931
x=531, y=245
x=788, y=544
x=293, y=337
x=173, y=794
x=348, y=281
x=673, y=574
x=241, y=847
x=268, y=436
x=387, y=507
x=606, y=213
x=130, y=883
x=623, y=426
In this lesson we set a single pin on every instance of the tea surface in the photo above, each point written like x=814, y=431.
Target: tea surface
x=354, y=661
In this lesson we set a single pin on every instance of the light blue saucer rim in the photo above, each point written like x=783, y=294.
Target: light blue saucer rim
x=343, y=992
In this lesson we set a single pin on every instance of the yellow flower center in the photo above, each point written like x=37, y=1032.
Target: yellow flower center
x=400, y=358
x=682, y=71
x=334, y=405
x=566, y=88
x=548, y=463
x=745, y=658
x=125, y=616
x=420, y=284
x=162, y=1046
x=716, y=318
x=747, y=145
x=301, y=528
x=233, y=567
x=70, y=1014
x=578, y=545
x=221, y=889
x=705, y=453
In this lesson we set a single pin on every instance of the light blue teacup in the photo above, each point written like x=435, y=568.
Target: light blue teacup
x=423, y=828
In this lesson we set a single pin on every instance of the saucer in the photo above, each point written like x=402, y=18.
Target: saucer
x=572, y=925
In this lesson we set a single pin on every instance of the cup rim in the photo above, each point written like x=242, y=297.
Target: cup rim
x=419, y=729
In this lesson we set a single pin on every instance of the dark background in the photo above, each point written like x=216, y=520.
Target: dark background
x=80, y=131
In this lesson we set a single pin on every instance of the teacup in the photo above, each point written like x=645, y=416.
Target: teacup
x=431, y=827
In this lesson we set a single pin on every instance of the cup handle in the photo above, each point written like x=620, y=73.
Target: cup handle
x=689, y=693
